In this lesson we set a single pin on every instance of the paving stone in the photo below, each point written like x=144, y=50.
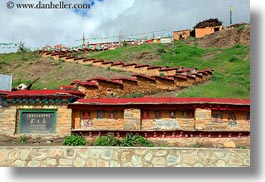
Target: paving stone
x=37, y=154
x=83, y=153
x=114, y=164
x=106, y=154
x=128, y=164
x=13, y=155
x=3, y=155
x=34, y=164
x=148, y=157
x=220, y=163
x=161, y=153
x=246, y=162
x=24, y=154
x=140, y=152
x=50, y=162
x=91, y=163
x=136, y=160
x=3, y=163
x=159, y=161
x=55, y=153
x=20, y=163
x=189, y=157
x=65, y=162
x=126, y=156
x=172, y=159
x=79, y=162
x=70, y=153
x=235, y=161
x=102, y=163
x=95, y=153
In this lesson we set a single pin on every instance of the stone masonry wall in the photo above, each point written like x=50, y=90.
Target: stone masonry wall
x=9, y=123
x=163, y=120
x=132, y=119
x=94, y=123
x=8, y=120
x=221, y=120
x=61, y=156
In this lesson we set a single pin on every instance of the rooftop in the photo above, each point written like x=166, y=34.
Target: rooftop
x=162, y=100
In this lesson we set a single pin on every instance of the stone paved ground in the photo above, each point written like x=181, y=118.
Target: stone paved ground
x=123, y=157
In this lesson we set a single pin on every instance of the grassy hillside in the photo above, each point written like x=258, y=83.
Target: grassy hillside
x=25, y=67
x=231, y=78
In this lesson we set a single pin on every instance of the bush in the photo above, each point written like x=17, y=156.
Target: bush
x=131, y=140
x=162, y=74
x=236, y=46
x=22, y=139
x=109, y=140
x=241, y=27
x=233, y=59
x=161, y=51
x=74, y=140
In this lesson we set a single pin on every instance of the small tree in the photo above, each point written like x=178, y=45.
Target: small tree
x=21, y=47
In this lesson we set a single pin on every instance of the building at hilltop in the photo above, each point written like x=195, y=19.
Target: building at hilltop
x=207, y=27
x=181, y=34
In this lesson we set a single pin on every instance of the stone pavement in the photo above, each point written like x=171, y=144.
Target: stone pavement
x=62, y=156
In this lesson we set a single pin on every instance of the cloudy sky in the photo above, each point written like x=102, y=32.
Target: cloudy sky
x=106, y=18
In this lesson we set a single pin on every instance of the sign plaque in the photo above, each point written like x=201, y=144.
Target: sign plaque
x=37, y=122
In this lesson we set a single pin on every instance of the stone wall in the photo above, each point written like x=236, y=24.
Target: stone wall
x=10, y=118
x=159, y=119
x=94, y=122
x=61, y=156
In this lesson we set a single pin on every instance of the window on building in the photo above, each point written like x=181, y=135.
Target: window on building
x=86, y=119
x=157, y=114
x=85, y=115
x=172, y=114
x=100, y=114
x=112, y=115
x=145, y=115
x=217, y=117
x=187, y=114
x=231, y=118
x=248, y=117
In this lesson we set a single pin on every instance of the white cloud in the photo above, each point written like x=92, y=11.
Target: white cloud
x=39, y=27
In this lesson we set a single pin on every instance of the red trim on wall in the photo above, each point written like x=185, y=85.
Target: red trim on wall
x=163, y=100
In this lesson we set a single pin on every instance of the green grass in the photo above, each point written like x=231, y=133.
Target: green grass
x=10, y=57
x=231, y=77
x=123, y=53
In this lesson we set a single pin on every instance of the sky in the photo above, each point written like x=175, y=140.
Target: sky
x=109, y=18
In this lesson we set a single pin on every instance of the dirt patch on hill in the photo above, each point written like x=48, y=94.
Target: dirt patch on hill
x=226, y=38
x=53, y=72
x=144, y=57
x=211, y=55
